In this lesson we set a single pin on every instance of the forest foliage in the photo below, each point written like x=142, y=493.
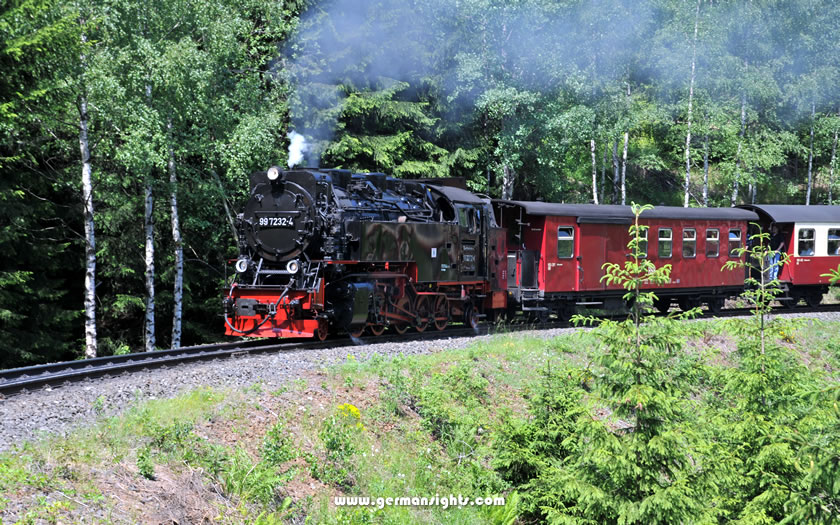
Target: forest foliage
x=513, y=96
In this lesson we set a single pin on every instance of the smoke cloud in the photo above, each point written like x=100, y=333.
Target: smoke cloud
x=297, y=147
x=468, y=49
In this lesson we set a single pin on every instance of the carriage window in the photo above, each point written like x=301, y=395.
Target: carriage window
x=734, y=241
x=565, y=242
x=712, y=243
x=689, y=242
x=643, y=242
x=665, y=242
x=806, y=241
x=833, y=241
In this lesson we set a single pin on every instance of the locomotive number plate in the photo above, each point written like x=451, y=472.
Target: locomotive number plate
x=278, y=222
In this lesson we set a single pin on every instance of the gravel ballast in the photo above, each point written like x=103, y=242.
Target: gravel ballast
x=28, y=415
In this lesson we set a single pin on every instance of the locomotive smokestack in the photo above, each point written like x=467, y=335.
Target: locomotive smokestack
x=297, y=147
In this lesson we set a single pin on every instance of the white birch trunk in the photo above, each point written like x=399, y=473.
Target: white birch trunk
x=90, y=238
x=706, y=170
x=738, y=153
x=594, y=172
x=615, y=171
x=624, y=169
x=811, y=155
x=178, y=293
x=831, y=165
x=149, y=336
x=604, y=174
x=149, y=233
x=690, y=101
x=508, y=176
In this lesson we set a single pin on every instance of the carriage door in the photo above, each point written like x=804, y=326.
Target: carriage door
x=470, y=230
x=593, y=255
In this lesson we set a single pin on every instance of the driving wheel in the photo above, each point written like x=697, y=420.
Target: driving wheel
x=441, y=312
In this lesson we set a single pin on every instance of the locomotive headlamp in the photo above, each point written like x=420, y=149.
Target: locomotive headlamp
x=241, y=265
x=273, y=173
x=293, y=266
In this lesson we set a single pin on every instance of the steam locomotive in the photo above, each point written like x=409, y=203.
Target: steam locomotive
x=327, y=250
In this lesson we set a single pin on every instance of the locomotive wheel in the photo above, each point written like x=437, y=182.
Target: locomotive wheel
x=358, y=332
x=441, y=312
x=471, y=317
x=323, y=330
x=403, y=305
x=377, y=329
x=423, y=311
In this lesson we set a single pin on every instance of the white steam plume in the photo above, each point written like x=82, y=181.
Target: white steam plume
x=297, y=148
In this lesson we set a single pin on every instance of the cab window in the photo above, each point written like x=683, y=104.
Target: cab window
x=565, y=242
x=734, y=241
x=665, y=242
x=468, y=218
x=689, y=243
x=805, y=246
x=712, y=242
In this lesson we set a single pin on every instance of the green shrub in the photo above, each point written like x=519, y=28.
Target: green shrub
x=145, y=464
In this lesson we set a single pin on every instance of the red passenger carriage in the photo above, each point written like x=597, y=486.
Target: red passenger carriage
x=811, y=237
x=556, y=253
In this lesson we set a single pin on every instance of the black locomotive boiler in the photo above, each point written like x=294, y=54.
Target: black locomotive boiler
x=327, y=250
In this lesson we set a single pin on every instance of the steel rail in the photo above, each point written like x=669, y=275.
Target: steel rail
x=17, y=380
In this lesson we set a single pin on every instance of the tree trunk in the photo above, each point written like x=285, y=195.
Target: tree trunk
x=604, y=173
x=594, y=172
x=178, y=293
x=706, y=170
x=231, y=222
x=90, y=238
x=811, y=155
x=690, y=101
x=624, y=169
x=149, y=232
x=508, y=176
x=738, y=153
x=831, y=163
x=615, y=171
x=149, y=336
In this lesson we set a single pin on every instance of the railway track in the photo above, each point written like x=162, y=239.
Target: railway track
x=17, y=380
x=28, y=378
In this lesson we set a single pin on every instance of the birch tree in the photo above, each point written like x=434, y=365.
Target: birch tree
x=735, y=181
x=87, y=204
x=594, y=172
x=831, y=164
x=616, y=183
x=178, y=292
x=811, y=153
x=690, y=100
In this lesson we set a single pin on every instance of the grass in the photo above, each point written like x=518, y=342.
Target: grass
x=408, y=426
